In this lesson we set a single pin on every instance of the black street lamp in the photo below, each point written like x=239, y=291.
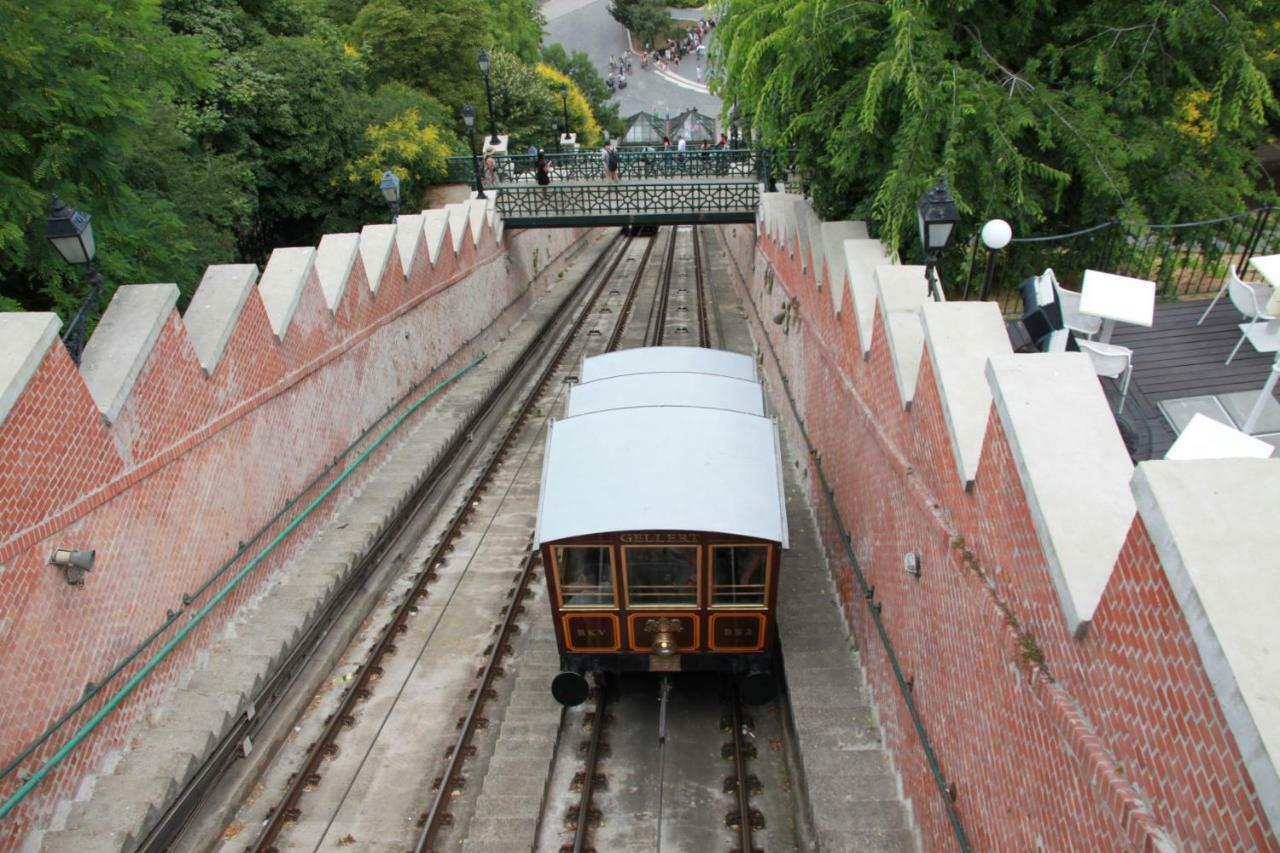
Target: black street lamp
x=390, y=187
x=469, y=119
x=71, y=233
x=555, y=131
x=488, y=96
x=564, y=99
x=938, y=216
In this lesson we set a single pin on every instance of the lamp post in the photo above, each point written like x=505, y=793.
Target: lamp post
x=937, y=216
x=469, y=119
x=996, y=234
x=71, y=233
x=390, y=187
x=488, y=96
x=555, y=131
x=564, y=100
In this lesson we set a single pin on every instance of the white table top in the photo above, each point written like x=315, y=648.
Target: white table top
x=1118, y=297
x=1205, y=438
x=1268, y=266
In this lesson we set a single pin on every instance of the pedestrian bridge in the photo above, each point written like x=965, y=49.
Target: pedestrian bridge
x=654, y=188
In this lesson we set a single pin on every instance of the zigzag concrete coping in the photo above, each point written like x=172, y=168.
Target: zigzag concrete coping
x=25, y=338
x=335, y=258
x=408, y=237
x=1210, y=522
x=281, y=285
x=476, y=213
x=901, y=291
x=125, y=336
x=434, y=224
x=1074, y=469
x=215, y=309
x=376, y=242
x=790, y=222
x=805, y=222
x=861, y=260
x=833, y=235
x=457, y=213
x=961, y=336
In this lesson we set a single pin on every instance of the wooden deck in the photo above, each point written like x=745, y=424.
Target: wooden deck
x=1175, y=358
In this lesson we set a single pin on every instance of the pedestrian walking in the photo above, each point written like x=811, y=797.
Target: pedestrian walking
x=490, y=169
x=698, y=71
x=666, y=153
x=541, y=169
x=611, y=161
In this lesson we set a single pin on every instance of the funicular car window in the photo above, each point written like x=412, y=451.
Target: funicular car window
x=585, y=575
x=739, y=574
x=662, y=576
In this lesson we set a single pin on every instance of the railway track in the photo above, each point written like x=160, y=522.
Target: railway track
x=313, y=769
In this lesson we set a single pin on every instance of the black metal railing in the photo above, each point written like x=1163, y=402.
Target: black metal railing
x=620, y=203
x=1184, y=259
x=588, y=165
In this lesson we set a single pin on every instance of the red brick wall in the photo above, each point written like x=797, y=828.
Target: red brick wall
x=1112, y=741
x=193, y=465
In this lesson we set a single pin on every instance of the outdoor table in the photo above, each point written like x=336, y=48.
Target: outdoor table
x=1268, y=266
x=1205, y=438
x=1117, y=298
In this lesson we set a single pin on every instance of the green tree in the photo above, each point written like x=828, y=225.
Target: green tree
x=579, y=68
x=89, y=88
x=1039, y=111
x=517, y=26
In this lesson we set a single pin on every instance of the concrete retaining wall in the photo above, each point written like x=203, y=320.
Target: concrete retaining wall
x=1078, y=689
x=180, y=436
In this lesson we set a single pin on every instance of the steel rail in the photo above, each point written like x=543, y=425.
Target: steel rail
x=288, y=810
x=624, y=312
x=592, y=764
x=704, y=329
x=659, y=314
x=435, y=816
x=742, y=777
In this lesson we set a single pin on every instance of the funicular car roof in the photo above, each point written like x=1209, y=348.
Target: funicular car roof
x=706, y=390
x=662, y=468
x=668, y=360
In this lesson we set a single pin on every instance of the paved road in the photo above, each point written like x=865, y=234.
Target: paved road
x=586, y=25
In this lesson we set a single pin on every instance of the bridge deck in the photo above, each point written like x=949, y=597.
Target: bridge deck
x=633, y=202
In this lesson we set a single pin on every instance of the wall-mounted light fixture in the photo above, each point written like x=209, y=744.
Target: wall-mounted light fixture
x=911, y=562
x=74, y=564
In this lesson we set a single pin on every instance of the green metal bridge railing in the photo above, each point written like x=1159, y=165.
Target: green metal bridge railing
x=565, y=205
x=633, y=165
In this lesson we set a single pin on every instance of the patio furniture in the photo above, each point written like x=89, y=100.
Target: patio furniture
x=1117, y=298
x=1268, y=266
x=1205, y=438
x=1250, y=300
x=1232, y=275
x=1082, y=323
x=1112, y=361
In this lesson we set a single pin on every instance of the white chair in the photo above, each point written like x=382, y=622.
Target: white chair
x=1078, y=322
x=1232, y=275
x=1250, y=300
x=1112, y=361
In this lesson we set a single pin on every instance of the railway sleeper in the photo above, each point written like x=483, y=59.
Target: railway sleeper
x=753, y=784
x=733, y=820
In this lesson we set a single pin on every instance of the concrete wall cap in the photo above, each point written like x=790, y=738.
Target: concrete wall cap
x=900, y=292
x=281, y=285
x=123, y=341
x=457, y=213
x=961, y=336
x=408, y=238
x=1074, y=469
x=1212, y=524
x=25, y=338
x=376, y=242
x=434, y=225
x=215, y=310
x=335, y=258
x=476, y=214
x=833, y=235
x=861, y=259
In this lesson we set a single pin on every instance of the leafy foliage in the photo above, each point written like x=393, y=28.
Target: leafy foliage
x=582, y=73
x=1038, y=111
